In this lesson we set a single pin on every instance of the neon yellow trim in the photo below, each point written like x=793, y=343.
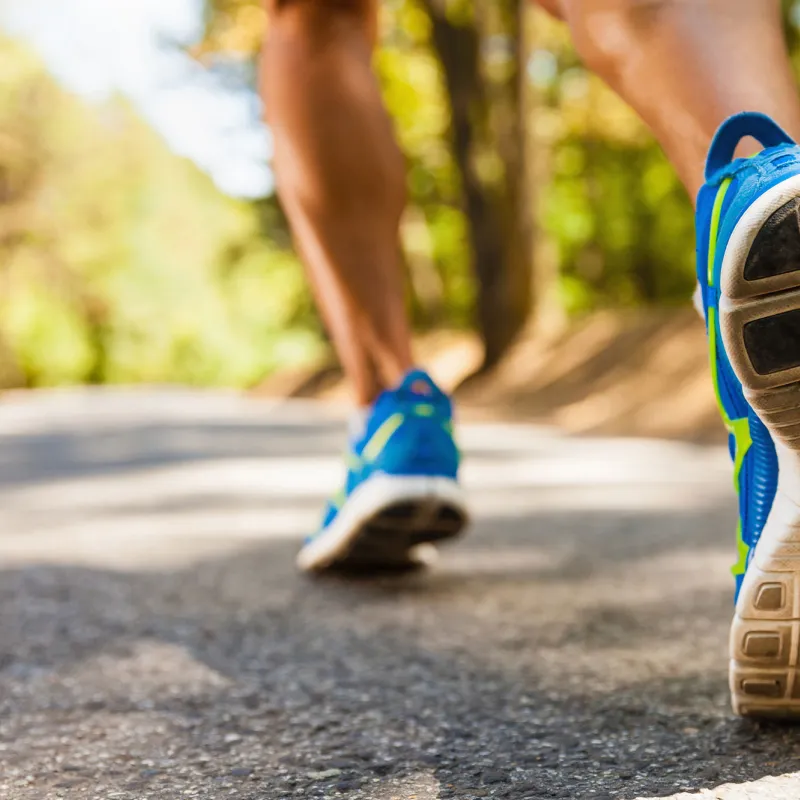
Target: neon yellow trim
x=740, y=567
x=424, y=410
x=381, y=437
x=712, y=347
x=715, y=218
x=740, y=428
x=742, y=440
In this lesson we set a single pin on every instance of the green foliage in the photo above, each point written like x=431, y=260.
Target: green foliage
x=121, y=262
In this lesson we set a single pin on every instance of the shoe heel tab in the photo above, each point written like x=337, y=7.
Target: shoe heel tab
x=418, y=382
x=734, y=129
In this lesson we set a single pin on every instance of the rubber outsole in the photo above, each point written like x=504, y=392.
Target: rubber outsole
x=760, y=323
x=389, y=540
x=386, y=525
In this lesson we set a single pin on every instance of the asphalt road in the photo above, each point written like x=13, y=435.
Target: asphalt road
x=156, y=642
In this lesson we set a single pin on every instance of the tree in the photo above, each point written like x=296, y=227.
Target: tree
x=489, y=142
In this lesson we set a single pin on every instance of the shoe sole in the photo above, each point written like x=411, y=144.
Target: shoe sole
x=760, y=323
x=386, y=525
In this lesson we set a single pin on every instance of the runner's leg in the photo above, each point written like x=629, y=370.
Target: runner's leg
x=341, y=179
x=686, y=65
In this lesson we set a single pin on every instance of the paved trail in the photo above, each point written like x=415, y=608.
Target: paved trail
x=155, y=641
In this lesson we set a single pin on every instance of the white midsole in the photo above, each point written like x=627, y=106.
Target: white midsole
x=379, y=492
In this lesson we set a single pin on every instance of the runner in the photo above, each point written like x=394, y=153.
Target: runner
x=691, y=69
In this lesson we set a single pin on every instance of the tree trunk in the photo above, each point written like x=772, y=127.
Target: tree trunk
x=486, y=123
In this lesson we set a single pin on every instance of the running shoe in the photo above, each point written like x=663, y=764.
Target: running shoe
x=402, y=491
x=748, y=245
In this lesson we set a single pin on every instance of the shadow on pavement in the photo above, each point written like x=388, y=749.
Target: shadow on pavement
x=565, y=654
x=30, y=458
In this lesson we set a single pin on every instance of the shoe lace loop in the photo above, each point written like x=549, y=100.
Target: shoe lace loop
x=733, y=130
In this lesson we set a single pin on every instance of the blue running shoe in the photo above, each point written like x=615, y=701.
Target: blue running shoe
x=402, y=489
x=748, y=245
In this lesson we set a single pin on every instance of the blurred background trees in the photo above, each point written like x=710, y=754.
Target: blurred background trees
x=121, y=262
x=536, y=195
